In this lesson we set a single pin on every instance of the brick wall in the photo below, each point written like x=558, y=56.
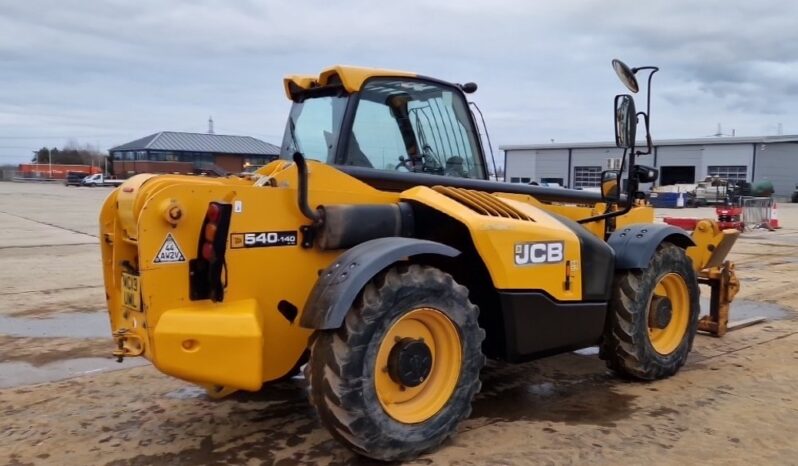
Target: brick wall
x=231, y=163
x=123, y=168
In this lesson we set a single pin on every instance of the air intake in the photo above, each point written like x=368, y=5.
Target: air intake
x=482, y=203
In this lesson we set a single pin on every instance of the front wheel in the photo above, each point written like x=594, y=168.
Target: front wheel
x=400, y=374
x=653, y=317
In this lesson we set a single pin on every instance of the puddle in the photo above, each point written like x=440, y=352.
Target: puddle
x=70, y=325
x=16, y=373
x=745, y=309
x=187, y=393
x=588, y=402
x=78, y=327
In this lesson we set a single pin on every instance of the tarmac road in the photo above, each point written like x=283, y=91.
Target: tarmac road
x=65, y=401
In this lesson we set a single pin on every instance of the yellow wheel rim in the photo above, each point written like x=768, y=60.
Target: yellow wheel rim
x=666, y=339
x=417, y=404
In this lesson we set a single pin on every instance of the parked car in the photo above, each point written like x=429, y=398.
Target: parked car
x=75, y=178
x=100, y=180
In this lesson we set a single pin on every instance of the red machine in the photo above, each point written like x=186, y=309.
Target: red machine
x=729, y=217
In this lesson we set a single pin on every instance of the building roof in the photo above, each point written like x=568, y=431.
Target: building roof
x=658, y=142
x=200, y=142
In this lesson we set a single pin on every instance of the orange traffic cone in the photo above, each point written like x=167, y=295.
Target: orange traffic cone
x=774, y=216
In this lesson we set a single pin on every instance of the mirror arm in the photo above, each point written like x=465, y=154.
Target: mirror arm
x=653, y=70
x=649, y=143
x=631, y=180
x=629, y=200
x=595, y=218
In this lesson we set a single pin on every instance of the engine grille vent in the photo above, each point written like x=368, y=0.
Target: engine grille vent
x=482, y=203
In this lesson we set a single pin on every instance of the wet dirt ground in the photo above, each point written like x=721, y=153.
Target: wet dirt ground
x=64, y=401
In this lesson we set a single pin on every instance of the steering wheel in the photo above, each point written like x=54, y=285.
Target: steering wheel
x=424, y=164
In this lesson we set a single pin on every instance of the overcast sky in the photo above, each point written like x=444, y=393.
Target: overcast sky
x=105, y=73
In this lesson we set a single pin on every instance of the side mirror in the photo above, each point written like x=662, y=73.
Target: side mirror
x=645, y=174
x=625, y=121
x=609, y=185
x=626, y=75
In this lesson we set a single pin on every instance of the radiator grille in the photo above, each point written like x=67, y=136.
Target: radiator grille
x=482, y=203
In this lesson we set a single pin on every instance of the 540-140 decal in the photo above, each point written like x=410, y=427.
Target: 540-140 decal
x=263, y=239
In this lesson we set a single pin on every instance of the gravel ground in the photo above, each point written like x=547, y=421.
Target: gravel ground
x=64, y=401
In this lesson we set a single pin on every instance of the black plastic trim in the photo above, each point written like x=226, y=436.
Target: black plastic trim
x=635, y=245
x=399, y=181
x=536, y=325
x=339, y=284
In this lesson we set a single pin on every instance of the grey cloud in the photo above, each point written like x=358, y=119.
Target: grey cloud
x=117, y=70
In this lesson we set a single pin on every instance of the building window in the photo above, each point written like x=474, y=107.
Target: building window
x=524, y=180
x=194, y=157
x=162, y=156
x=729, y=172
x=552, y=181
x=587, y=177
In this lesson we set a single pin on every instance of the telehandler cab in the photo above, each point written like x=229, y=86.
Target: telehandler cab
x=378, y=254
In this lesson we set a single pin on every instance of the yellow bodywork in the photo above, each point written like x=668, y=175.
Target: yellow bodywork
x=244, y=340
x=233, y=338
x=351, y=77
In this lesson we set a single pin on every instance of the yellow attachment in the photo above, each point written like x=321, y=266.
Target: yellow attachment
x=417, y=404
x=673, y=287
x=351, y=77
x=222, y=344
x=712, y=245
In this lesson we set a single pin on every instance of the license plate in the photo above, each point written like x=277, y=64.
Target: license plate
x=131, y=293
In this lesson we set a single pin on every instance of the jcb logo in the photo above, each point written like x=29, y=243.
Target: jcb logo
x=539, y=253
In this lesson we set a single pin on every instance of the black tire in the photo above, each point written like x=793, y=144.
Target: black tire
x=627, y=347
x=340, y=374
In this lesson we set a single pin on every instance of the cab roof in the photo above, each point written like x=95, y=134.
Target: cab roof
x=350, y=77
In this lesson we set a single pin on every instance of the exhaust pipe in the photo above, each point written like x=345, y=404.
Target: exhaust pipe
x=302, y=190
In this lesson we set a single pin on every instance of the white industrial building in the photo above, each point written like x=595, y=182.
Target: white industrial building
x=579, y=165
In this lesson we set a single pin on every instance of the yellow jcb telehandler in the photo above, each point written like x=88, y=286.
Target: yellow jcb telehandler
x=378, y=254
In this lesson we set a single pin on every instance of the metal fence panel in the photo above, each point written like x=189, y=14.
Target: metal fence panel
x=757, y=211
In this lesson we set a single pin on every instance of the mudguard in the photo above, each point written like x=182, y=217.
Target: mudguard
x=634, y=245
x=339, y=284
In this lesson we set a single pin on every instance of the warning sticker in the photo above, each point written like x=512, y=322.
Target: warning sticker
x=170, y=252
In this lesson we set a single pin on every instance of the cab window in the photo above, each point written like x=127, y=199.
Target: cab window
x=413, y=126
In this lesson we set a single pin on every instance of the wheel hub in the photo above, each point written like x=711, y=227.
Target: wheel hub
x=660, y=313
x=410, y=362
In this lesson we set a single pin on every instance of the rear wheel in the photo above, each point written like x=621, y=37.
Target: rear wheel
x=397, y=378
x=653, y=317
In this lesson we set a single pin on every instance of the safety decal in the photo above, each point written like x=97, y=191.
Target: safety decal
x=170, y=252
x=263, y=239
x=539, y=253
